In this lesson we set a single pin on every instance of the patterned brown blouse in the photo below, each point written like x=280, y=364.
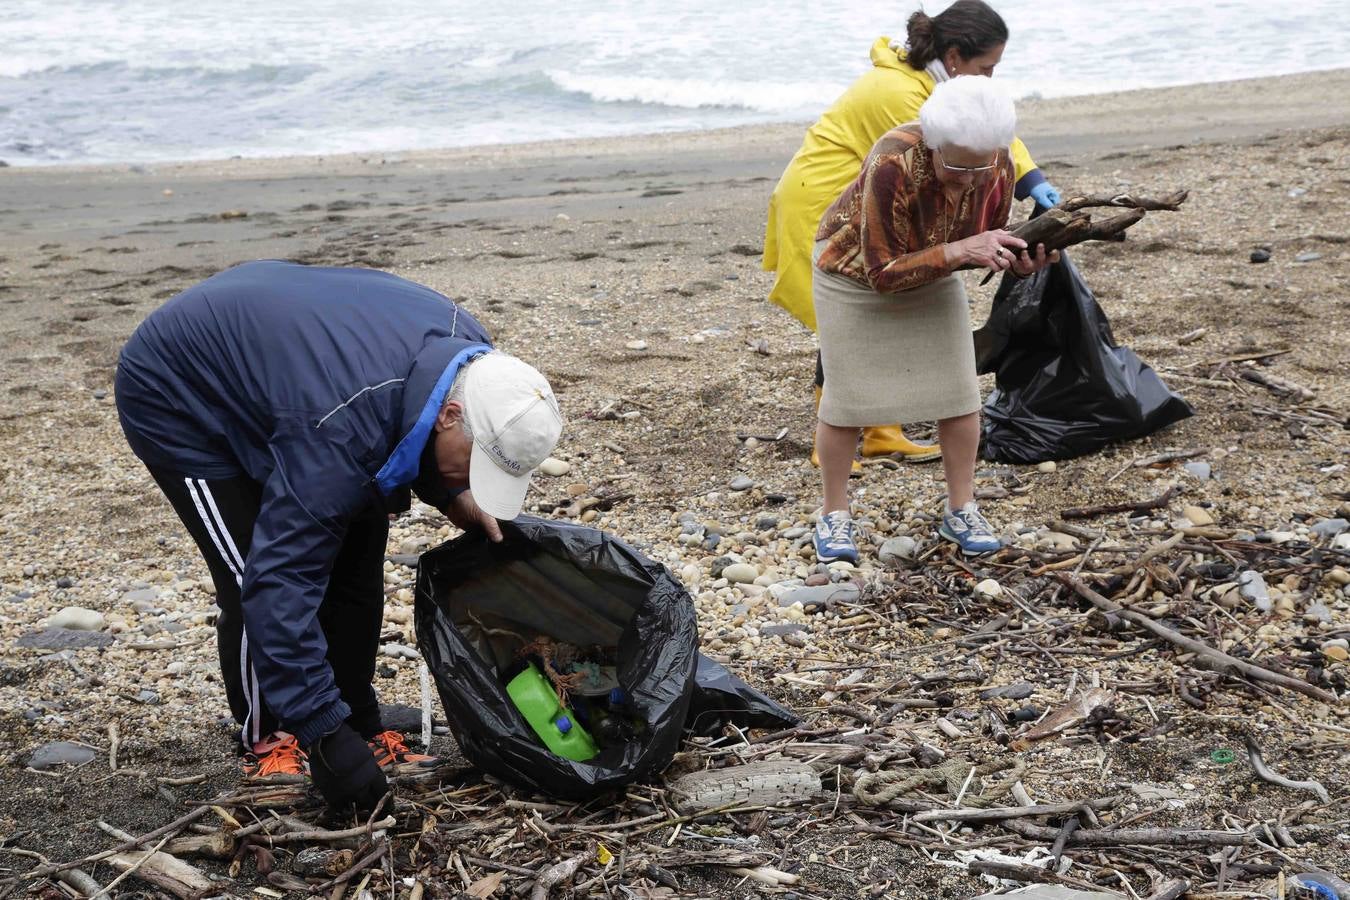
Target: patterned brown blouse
x=887, y=229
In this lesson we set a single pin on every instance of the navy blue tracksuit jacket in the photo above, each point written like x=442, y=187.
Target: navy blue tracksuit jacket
x=322, y=386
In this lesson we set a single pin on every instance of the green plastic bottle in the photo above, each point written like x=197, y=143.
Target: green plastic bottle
x=556, y=725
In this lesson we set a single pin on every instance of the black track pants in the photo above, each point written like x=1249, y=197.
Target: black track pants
x=220, y=515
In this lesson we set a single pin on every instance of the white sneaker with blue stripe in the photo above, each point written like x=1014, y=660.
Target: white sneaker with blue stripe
x=969, y=529
x=834, y=537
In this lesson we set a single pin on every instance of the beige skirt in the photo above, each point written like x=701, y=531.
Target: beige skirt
x=894, y=358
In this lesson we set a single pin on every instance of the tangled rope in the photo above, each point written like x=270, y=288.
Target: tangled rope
x=880, y=788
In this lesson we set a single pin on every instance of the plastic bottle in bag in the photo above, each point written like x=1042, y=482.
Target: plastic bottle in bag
x=556, y=725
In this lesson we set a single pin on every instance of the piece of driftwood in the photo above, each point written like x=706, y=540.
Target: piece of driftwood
x=216, y=845
x=1266, y=774
x=168, y=873
x=1215, y=660
x=1026, y=874
x=1171, y=890
x=765, y=783
x=556, y=874
x=1088, y=512
x=1170, y=203
x=1006, y=812
x=1281, y=387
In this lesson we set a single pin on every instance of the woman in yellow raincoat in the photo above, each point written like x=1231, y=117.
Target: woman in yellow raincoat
x=965, y=39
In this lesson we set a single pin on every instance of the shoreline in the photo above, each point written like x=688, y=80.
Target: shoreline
x=1127, y=115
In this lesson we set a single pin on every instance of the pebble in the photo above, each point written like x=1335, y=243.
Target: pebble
x=49, y=756
x=1253, y=588
x=740, y=573
x=77, y=618
x=691, y=574
x=1260, y=256
x=1199, y=470
x=741, y=483
x=816, y=579
x=1336, y=650
x=63, y=639
x=898, y=550
x=989, y=589
x=1307, y=257
x=65, y=581
x=141, y=595
x=398, y=651
x=719, y=565
x=792, y=534
x=1057, y=541
x=783, y=628
x=1020, y=691
x=100, y=394
x=554, y=467
x=819, y=597
x=1047, y=466
x=1329, y=528
x=1341, y=542
x=636, y=345
x=1337, y=576
x=1197, y=515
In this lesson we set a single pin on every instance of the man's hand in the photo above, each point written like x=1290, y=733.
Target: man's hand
x=1045, y=194
x=466, y=515
x=344, y=770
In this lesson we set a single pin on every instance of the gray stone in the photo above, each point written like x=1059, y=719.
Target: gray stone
x=1307, y=257
x=712, y=541
x=1020, y=691
x=147, y=696
x=100, y=394
x=63, y=639
x=65, y=581
x=57, y=753
x=719, y=565
x=898, y=550
x=1260, y=256
x=77, y=618
x=793, y=533
x=781, y=628
x=141, y=595
x=766, y=523
x=1329, y=528
x=408, y=560
x=822, y=596
x=741, y=483
x=1199, y=470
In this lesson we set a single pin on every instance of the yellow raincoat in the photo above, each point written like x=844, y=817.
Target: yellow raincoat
x=830, y=158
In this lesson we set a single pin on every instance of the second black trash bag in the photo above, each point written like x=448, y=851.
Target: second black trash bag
x=1064, y=388
x=478, y=603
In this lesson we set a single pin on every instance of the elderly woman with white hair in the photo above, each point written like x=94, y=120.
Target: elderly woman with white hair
x=933, y=197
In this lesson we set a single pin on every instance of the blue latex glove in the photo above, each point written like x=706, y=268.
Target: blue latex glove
x=1045, y=194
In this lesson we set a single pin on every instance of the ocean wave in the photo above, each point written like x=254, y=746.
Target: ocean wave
x=698, y=93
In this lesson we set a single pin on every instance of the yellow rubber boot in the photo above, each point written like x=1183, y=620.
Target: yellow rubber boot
x=885, y=440
x=815, y=457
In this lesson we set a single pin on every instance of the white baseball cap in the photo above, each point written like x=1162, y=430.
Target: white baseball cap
x=515, y=422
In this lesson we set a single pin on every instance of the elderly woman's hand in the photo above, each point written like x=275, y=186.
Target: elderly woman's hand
x=1025, y=264
x=995, y=250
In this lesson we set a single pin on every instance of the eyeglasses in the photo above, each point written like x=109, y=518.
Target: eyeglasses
x=964, y=170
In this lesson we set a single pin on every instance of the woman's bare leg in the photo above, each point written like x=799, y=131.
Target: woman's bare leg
x=836, y=447
x=960, y=439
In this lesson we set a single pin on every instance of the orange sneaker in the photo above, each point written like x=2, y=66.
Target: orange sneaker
x=275, y=757
x=391, y=752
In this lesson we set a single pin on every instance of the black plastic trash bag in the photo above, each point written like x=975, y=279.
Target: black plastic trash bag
x=1064, y=387
x=721, y=698
x=479, y=602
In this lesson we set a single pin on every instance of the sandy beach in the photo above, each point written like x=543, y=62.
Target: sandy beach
x=568, y=252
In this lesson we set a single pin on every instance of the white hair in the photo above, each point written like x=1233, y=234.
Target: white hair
x=456, y=394
x=971, y=112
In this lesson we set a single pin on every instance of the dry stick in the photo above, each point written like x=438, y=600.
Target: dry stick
x=1169, y=456
x=1218, y=660
x=1119, y=837
x=173, y=827
x=1087, y=512
x=321, y=836
x=1156, y=550
x=1264, y=772
x=357, y=868
x=1034, y=874
x=1006, y=812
